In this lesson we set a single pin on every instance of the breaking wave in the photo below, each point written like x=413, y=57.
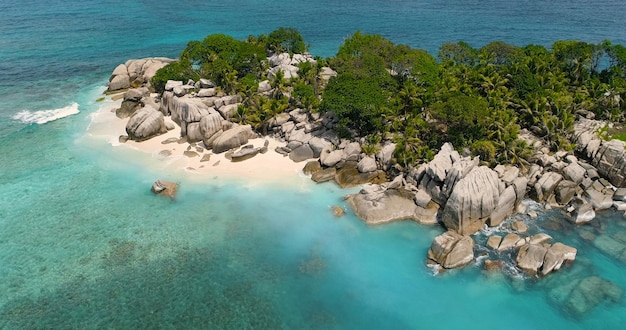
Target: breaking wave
x=44, y=116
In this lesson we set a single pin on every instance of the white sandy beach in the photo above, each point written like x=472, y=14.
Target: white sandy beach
x=271, y=167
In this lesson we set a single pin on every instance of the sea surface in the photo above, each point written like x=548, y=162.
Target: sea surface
x=85, y=245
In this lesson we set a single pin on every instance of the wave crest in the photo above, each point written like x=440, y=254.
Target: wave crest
x=44, y=116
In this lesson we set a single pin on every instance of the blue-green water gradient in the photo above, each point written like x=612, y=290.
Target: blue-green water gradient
x=84, y=244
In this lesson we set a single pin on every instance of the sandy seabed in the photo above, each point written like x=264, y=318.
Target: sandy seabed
x=269, y=168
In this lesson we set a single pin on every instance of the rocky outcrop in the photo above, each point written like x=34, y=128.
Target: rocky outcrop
x=544, y=258
x=145, y=123
x=135, y=73
x=377, y=205
x=451, y=250
x=609, y=157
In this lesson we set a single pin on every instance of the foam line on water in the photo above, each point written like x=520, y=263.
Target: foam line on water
x=45, y=116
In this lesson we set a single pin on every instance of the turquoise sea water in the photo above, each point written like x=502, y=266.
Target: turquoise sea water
x=84, y=244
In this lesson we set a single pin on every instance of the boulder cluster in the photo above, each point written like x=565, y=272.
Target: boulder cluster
x=453, y=190
x=135, y=73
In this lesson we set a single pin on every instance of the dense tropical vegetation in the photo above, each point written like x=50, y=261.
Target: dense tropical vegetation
x=478, y=99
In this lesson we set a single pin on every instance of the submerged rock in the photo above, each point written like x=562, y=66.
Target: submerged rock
x=165, y=188
x=581, y=296
x=337, y=211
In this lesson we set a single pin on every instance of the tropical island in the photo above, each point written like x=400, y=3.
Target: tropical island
x=458, y=141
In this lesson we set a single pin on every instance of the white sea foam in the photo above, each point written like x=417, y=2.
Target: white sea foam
x=44, y=116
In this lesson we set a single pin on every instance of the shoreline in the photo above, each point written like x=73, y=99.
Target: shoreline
x=270, y=168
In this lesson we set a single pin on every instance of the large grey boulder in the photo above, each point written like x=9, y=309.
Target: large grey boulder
x=451, y=250
x=317, y=145
x=207, y=92
x=457, y=172
x=620, y=195
x=279, y=59
x=544, y=258
x=330, y=157
x=599, y=200
x=353, y=148
x=233, y=138
x=150, y=68
x=609, y=157
x=583, y=214
x=228, y=111
x=610, y=160
x=136, y=73
x=530, y=257
x=324, y=175
x=367, y=164
x=244, y=153
x=326, y=73
x=472, y=201
x=289, y=71
x=504, y=208
x=557, y=254
x=301, y=153
x=194, y=134
x=192, y=110
x=385, y=155
x=442, y=162
x=279, y=120
x=509, y=241
x=145, y=123
x=565, y=191
x=574, y=172
x=118, y=82
x=210, y=124
x=544, y=188
x=135, y=94
x=170, y=84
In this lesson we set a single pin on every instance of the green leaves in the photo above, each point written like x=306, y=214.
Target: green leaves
x=286, y=39
x=357, y=102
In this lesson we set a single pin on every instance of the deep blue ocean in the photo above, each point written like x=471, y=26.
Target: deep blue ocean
x=85, y=245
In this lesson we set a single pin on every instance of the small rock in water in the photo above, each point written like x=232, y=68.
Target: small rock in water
x=216, y=163
x=337, y=211
x=199, y=150
x=532, y=214
x=123, y=138
x=165, y=188
x=493, y=265
x=519, y=226
x=205, y=158
x=190, y=154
